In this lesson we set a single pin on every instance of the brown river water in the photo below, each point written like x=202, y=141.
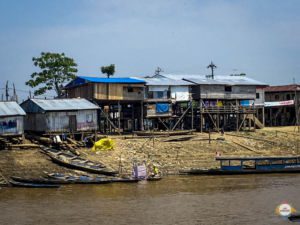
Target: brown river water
x=248, y=199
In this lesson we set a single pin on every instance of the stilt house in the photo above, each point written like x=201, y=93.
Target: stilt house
x=120, y=100
x=223, y=102
x=166, y=100
x=282, y=105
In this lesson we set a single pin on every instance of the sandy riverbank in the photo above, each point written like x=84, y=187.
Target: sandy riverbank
x=169, y=156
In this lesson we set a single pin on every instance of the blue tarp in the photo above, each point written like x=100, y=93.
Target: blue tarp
x=245, y=102
x=162, y=107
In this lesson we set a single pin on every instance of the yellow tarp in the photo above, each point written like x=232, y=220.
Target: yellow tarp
x=103, y=144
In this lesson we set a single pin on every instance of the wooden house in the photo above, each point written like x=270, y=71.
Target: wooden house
x=120, y=100
x=282, y=105
x=224, y=102
x=99, y=88
x=11, y=119
x=60, y=115
x=165, y=100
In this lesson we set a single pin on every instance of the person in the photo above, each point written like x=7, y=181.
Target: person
x=156, y=171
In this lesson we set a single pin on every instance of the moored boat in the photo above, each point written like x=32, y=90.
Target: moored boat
x=32, y=185
x=80, y=164
x=251, y=165
x=66, y=180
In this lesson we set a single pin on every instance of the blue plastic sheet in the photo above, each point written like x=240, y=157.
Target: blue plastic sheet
x=162, y=107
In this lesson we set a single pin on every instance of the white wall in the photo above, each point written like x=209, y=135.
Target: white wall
x=180, y=93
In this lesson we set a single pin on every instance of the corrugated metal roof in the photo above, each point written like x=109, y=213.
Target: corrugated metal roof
x=11, y=109
x=164, y=81
x=64, y=104
x=283, y=88
x=218, y=80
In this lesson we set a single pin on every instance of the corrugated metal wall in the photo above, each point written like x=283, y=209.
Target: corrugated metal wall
x=86, y=120
x=13, y=125
x=218, y=92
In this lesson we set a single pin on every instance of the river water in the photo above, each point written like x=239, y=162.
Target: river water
x=248, y=199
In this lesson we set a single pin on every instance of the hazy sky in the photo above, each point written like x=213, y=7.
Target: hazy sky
x=258, y=37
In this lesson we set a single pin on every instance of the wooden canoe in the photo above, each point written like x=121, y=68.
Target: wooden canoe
x=32, y=185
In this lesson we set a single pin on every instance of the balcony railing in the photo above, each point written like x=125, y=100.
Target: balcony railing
x=228, y=109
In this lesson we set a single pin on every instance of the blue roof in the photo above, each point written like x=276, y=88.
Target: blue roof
x=114, y=80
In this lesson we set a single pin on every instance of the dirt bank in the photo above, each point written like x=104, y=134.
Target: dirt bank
x=169, y=156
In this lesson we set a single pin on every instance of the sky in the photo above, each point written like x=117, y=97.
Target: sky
x=259, y=38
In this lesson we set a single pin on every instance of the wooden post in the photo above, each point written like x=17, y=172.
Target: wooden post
x=263, y=116
x=201, y=116
x=192, y=115
x=142, y=115
x=119, y=116
x=254, y=125
x=271, y=112
x=237, y=116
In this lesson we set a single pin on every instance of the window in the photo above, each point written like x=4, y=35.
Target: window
x=130, y=89
x=257, y=95
x=276, y=97
x=150, y=94
x=288, y=97
x=89, y=118
x=159, y=94
x=228, y=89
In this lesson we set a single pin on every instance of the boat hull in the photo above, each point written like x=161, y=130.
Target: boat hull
x=237, y=172
x=32, y=185
x=72, y=165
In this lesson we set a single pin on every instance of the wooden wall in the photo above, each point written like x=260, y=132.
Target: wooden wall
x=84, y=91
x=116, y=91
x=119, y=91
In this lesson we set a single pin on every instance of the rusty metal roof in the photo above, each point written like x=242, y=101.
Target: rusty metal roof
x=11, y=109
x=283, y=88
x=64, y=104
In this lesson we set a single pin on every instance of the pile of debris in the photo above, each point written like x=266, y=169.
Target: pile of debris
x=58, y=143
x=16, y=142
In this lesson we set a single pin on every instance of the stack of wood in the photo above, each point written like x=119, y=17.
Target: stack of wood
x=14, y=143
x=67, y=144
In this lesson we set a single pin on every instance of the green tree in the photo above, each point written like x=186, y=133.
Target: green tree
x=55, y=70
x=108, y=70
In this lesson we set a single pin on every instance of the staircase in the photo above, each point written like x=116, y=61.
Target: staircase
x=258, y=124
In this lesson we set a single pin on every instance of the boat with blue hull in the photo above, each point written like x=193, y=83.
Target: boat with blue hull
x=251, y=165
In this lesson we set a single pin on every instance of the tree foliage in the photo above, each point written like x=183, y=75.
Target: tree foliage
x=55, y=70
x=108, y=70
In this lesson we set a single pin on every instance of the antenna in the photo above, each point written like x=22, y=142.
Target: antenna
x=212, y=66
x=158, y=70
x=6, y=91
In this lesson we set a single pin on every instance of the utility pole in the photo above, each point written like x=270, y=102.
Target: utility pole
x=212, y=66
x=6, y=91
x=15, y=98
